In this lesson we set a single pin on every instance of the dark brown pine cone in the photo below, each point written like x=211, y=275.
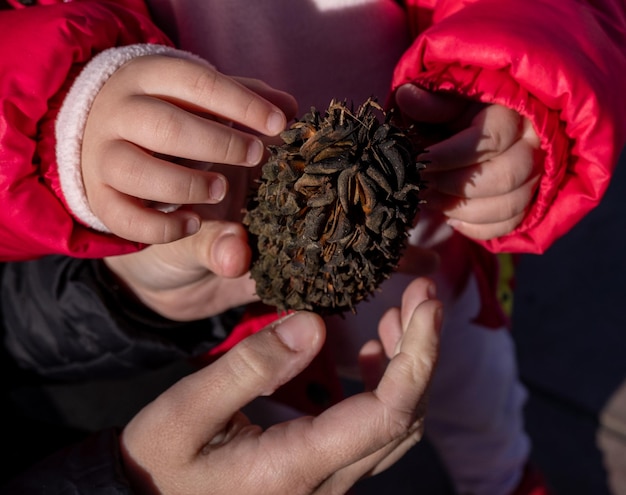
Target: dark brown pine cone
x=330, y=218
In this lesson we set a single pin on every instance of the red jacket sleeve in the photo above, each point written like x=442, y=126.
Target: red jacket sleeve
x=43, y=48
x=561, y=64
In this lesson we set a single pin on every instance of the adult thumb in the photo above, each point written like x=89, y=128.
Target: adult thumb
x=188, y=415
x=201, y=405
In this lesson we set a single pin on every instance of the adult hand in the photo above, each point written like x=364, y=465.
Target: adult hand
x=192, y=439
x=484, y=174
x=153, y=114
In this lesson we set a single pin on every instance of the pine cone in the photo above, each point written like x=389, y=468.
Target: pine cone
x=329, y=220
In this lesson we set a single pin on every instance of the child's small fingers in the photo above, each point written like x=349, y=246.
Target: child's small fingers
x=492, y=131
x=486, y=231
x=222, y=248
x=286, y=102
x=493, y=209
x=135, y=172
x=166, y=128
x=128, y=218
x=425, y=106
x=204, y=89
x=500, y=175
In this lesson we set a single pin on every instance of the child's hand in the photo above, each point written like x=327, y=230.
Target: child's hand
x=193, y=278
x=193, y=438
x=153, y=112
x=483, y=176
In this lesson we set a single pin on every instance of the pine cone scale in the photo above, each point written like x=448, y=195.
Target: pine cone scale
x=330, y=217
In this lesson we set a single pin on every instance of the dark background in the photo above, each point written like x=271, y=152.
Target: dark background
x=569, y=323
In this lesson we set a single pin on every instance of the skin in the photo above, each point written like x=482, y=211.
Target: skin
x=207, y=273
x=193, y=439
x=157, y=116
x=193, y=278
x=155, y=111
x=484, y=175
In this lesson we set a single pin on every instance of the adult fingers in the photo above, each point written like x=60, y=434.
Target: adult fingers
x=395, y=321
x=407, y=412
x=372, y=363
x=194, y=413
x=365, y=423
x=413, y=364
x=390, y=330
x=418, y=291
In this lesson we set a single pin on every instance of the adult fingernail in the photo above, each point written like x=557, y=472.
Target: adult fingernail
x=438, y=317
x=431, y=290
x=275, y=123
x=255, y=152
x=294, y=333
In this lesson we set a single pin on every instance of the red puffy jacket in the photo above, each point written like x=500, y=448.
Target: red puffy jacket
x=43, y=49
x=559, y=63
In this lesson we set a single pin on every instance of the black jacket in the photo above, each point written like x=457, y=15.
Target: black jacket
x=77, y=350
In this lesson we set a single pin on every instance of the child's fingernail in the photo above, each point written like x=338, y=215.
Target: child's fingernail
x=255, y=152
x=192, y=226
x=275, y=123
x=217, y=189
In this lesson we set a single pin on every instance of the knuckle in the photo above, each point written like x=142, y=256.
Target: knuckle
x=171, y=229
x=494, y=139
x=139, y=227
x=397, y=424
x=196, y=189
x=204, y=83
x=231, y=149
x=235, y=148
x=246, y=364
x=509, y=181
x=250, y=109
x=167, y=128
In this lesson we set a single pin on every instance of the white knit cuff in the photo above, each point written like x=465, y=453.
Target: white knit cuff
x=72, y=117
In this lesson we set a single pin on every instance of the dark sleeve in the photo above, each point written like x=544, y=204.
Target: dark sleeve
x=92, y=467
x=66, y=319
